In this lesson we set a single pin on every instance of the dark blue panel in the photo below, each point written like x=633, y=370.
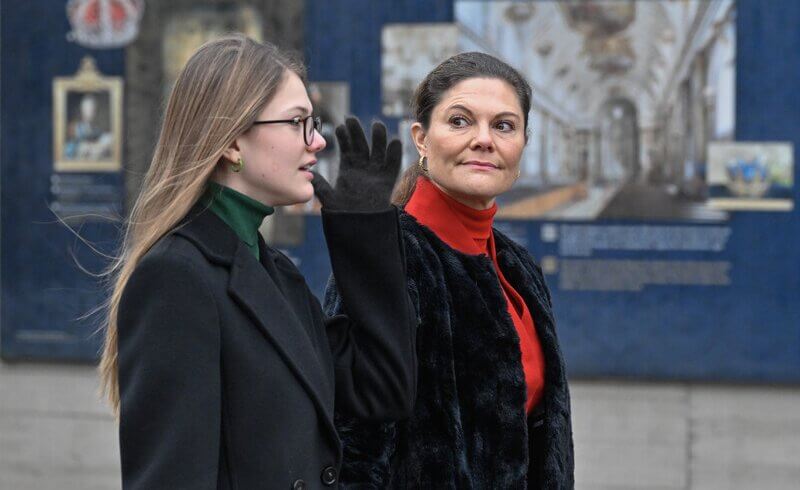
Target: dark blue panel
x=747, y=331
x=43, y=291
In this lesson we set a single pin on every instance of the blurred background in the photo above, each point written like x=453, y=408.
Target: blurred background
x=657, y=191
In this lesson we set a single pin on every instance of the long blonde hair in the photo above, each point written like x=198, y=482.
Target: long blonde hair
x=217, y=96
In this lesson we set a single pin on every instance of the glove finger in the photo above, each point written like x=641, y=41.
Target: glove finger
x=378, y=155
x=322, y=189
x=343, y=139
x=394, y=159
x=357, y=138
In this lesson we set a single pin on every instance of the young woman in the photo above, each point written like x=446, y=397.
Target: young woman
x=492, y=408
x=222, y=366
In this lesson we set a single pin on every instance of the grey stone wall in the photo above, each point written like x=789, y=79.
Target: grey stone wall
x=56, y=435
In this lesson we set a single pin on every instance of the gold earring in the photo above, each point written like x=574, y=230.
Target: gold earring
x=237, y=167
x=422, y=161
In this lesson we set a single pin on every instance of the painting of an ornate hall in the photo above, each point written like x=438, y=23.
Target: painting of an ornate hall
x=627, y=95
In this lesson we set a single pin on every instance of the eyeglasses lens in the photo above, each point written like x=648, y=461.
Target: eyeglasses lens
x=308, y=130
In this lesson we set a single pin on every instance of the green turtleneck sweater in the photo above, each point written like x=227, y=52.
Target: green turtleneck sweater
x=243, y=214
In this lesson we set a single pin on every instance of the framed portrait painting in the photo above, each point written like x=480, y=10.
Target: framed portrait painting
x=87, y=121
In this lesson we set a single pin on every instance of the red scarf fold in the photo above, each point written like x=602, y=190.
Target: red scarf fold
x=469, y=231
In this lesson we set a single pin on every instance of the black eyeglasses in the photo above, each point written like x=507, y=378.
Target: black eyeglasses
x=310, y=124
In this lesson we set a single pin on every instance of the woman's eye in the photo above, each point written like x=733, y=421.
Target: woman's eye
x=505, y=126
x=296, y=121
x=458, y=121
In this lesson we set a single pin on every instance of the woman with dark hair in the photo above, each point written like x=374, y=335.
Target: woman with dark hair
x=492, y=408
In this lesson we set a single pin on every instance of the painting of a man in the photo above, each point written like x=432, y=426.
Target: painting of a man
x=88, y=130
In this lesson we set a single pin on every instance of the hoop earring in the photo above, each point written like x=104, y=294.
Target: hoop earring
x=422, y=164
x=238, y=166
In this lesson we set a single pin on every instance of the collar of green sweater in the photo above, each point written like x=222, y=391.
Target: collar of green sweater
x=243, y=214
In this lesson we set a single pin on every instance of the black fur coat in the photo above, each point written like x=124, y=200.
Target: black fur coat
x=469, y=428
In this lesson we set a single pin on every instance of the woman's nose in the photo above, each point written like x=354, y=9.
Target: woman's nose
x=483, y=138
x=318, y=144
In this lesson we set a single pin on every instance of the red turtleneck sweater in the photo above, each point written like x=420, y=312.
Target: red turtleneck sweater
x=469, y=231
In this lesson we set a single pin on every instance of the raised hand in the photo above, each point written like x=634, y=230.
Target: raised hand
x=366, y=178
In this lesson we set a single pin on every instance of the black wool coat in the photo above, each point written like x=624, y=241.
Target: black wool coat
x=469, y=429
x=229, y=370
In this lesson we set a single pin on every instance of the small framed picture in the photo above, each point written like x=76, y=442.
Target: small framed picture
x=751, y=176
x=87, y=121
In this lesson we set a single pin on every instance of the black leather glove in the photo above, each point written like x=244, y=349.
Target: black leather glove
x=366, y=178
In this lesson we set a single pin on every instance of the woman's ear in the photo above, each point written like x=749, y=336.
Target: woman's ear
x=232, y=152
x=418, y=135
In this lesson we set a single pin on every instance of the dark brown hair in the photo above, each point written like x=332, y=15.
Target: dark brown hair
x=449, y=73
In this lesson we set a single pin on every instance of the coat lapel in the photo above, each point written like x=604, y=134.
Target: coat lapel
x=530, y=288
x=267, y=306
x=256, y=292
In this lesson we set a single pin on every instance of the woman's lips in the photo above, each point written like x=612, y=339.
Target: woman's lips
x=477, y=164
x=307, y=166
x=306, y=169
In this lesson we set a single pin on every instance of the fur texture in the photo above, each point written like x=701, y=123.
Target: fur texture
x=469, y=428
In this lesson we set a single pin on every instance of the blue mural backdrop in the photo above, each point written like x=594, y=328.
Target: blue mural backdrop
x=743, y=324
x=44, y=291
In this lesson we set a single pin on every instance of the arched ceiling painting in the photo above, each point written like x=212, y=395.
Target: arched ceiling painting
x=579, y=53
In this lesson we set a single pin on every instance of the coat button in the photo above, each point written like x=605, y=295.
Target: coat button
x=328, y=476
x=299, y=485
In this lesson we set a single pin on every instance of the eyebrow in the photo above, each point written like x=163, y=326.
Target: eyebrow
x=465, y=109
x=298, y=108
